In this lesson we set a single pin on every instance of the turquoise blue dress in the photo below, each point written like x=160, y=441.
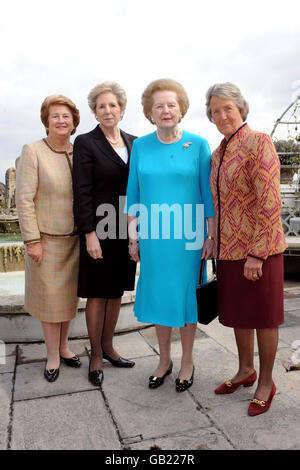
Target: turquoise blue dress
x=168, y=188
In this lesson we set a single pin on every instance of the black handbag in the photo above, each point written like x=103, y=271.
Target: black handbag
x=207, y=299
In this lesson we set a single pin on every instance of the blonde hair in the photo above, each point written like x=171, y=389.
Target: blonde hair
x=164, y=84
x=59, y=99
x=227, y=91
x=106, y=87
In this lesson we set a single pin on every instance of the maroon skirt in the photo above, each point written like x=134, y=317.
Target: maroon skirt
x=250, y=304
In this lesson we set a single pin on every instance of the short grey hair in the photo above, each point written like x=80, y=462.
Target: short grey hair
x=227, y=91
x=107, y=87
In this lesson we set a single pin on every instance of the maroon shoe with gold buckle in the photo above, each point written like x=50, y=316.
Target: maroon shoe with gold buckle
x=258, y=407
x=230, y=387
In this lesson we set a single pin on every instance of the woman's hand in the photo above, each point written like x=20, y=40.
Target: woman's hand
x=134, y=250
x=253, y=269
x=35, y=251
x=209, y=249
x=93, y=245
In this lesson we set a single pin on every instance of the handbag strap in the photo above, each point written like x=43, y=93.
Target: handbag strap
x=202, y=269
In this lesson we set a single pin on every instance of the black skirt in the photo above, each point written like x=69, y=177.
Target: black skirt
x=108, y=277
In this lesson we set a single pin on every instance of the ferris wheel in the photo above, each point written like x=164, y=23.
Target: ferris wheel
x=290, y=118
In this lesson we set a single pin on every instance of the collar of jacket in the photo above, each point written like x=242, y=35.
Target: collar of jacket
x=109, y=151
x=237, y=133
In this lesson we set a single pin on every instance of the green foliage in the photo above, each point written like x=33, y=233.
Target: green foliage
x=288, y=151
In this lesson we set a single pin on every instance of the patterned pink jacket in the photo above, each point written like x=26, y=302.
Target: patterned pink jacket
x=245, y=184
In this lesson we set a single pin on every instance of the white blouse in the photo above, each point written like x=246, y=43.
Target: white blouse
x=123, y=153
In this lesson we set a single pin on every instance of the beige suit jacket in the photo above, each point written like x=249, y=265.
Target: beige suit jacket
x=44, y=194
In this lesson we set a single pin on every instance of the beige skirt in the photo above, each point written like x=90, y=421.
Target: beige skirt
x=51, y=289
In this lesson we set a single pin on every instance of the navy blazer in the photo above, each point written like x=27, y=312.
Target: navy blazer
x=99, y=176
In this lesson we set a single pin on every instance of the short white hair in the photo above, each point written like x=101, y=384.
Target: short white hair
x=227, y=91
x=106, y=87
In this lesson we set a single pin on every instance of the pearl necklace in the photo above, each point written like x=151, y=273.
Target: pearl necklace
x=114, y=142
x=176, y=138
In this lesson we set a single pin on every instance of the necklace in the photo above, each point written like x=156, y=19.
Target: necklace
x=176, y=137
x=114, y=142
x=57, y=150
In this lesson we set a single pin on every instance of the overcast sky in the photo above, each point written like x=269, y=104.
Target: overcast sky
x=70, y=46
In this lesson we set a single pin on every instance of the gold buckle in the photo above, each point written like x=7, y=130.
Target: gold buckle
x=258, y=402
x=228, y=383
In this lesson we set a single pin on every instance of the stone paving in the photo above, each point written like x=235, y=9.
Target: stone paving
x=73, y=414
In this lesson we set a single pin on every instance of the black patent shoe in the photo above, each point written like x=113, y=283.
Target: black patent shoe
x=51, y=374
x=96, y=376
x=121, y=362
x=155, y=382
x=71, y=361
x=182, y=385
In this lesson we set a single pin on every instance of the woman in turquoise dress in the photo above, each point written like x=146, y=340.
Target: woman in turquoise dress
x=170, y=215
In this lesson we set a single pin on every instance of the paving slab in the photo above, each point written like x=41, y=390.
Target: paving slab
x=290, y=331
x=6, y=387
x=291, y=304
x=222, y=335
x=195, y=439
x=245, y=431
x=7, y=358
x=70, y=380
x=142, y=413
x=213, y=365
x=287, y=382
x=78, y=421
x=132, y=345
x=31, y=352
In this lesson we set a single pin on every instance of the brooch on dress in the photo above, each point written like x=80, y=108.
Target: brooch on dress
x=186, y=145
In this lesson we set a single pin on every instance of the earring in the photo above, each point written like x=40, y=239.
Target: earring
x=152, y=120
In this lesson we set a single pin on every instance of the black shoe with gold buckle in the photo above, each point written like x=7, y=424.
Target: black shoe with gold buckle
x=155, y=382
x=182, y=385
x=71, y=361
x=51, y=374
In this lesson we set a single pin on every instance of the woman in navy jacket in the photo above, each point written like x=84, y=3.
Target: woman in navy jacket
x=100, y=173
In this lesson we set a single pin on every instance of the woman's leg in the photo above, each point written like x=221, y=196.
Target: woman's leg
x=64, y=347
x=94, y=315
x=52, y=341
x=245, y=345
x=164, y=342
x=187, y=334
x=267, y=340
x=111, y=317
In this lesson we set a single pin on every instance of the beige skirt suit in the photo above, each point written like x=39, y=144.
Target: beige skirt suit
x=44, y=198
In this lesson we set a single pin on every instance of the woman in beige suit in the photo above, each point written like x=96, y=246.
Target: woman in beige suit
x=44, y=198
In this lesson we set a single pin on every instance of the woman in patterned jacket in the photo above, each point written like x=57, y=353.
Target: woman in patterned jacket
x=245, y=182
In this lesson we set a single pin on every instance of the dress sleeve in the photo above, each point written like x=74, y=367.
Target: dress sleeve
x=83, y=207
x=264, y=169
x=26, y=190
x=204, y=177
x=133, y=185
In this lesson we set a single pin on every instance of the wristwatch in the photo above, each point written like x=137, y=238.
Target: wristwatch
x=210, y=237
